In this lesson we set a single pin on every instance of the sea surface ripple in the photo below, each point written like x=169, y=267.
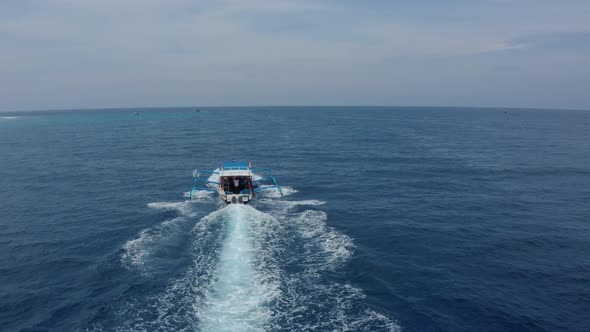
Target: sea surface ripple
x=394, y=219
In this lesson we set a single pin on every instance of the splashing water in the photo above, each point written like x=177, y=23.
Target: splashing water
x=274, y=192
x=253, y=271
x=237, y=302
x=136, y=251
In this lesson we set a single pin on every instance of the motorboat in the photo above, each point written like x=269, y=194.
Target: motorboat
x=234, y=182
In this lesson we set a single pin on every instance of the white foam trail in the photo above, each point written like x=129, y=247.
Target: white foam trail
x=255, y=271
x=138, y=250
x=237, y=300
x=200, y=195
x=184, y=208
x=8, y=117
x=274, y=192
x=316, y=249
x=222, y=290
x=175, y=309
x=290, y=204
x=337, y=246
x=134, y=251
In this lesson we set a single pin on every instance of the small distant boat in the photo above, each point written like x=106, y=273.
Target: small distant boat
x=197, y=110
x=136, y=113
x=238, y=182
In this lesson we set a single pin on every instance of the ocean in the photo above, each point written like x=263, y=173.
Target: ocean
x=393, y=219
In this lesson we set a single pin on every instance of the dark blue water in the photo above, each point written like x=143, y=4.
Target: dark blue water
x=413, y=219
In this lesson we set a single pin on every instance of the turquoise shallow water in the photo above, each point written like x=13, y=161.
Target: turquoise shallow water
x=413, y=219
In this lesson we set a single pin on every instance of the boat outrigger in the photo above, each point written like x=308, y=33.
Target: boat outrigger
x=238, y=182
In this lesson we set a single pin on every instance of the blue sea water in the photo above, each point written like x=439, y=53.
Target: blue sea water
x=393, y=219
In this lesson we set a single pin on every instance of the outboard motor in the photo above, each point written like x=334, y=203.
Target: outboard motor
x=233, y=200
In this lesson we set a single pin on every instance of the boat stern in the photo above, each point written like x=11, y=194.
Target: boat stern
x=237, y=198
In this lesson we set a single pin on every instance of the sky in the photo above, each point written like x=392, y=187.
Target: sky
x=68, y=54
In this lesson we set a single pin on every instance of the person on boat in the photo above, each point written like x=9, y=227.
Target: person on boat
x=236, y=185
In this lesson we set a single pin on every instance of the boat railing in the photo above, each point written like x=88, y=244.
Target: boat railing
x=235, y=169
x=207, y=172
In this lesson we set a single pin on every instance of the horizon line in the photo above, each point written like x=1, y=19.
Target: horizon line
x=293, y=106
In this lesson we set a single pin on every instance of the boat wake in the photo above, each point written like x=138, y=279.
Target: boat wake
x=142, y=253
x=246, y=281
x=250, y=271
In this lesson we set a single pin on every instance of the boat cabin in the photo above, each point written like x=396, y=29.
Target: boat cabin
x=235, y=182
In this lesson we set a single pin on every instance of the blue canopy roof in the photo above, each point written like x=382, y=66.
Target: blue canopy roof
x=235, y=164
